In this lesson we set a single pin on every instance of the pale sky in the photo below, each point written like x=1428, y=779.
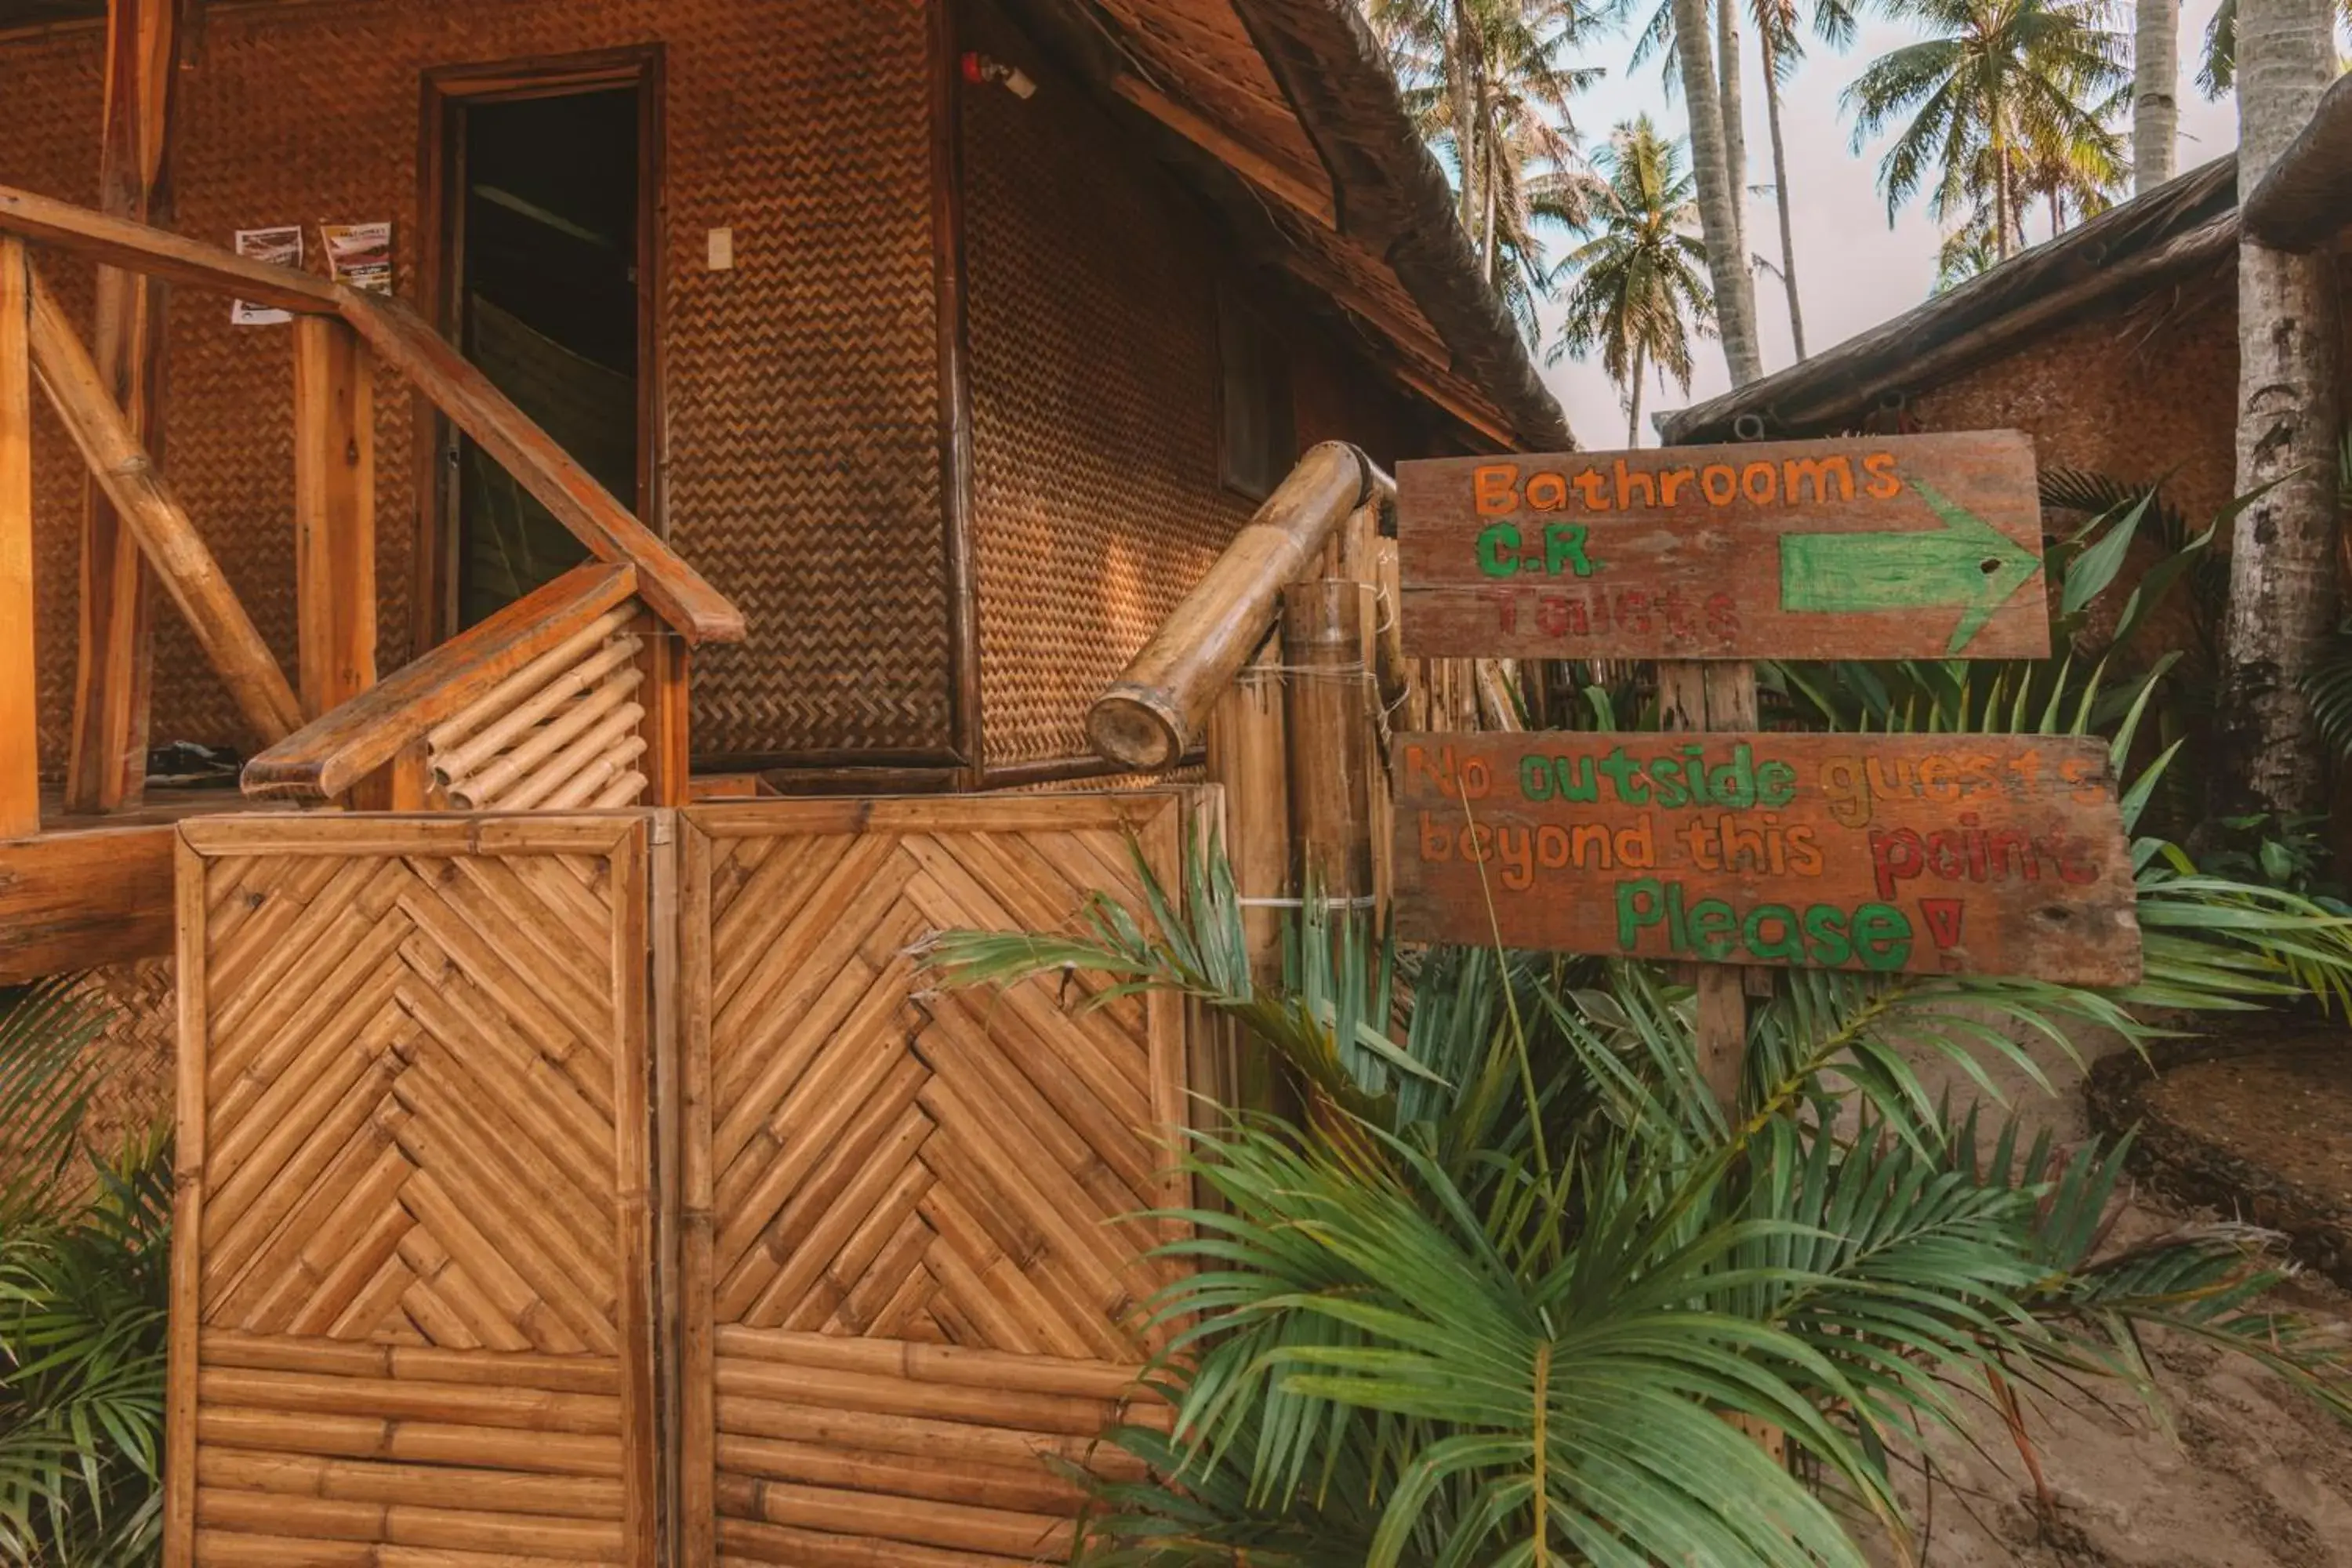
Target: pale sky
x=1854, y=271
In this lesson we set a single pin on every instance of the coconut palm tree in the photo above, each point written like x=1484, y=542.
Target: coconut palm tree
x=1639, y=294
x=1717, y=180
x=2282, y=562
x=2155, y=76
x=1776, y=25
x=1489, y=83
x=1992, y=81
x=2217, y=70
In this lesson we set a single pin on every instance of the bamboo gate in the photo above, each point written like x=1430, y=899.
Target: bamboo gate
x=552, y=1182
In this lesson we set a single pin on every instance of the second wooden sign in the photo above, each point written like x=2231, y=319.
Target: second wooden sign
x=1940, y=854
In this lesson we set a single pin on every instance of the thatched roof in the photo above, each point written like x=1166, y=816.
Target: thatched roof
x=2304, y=199
x=1285, y=116
x=2184, y=224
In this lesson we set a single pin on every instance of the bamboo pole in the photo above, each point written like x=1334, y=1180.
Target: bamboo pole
x=498, y=729
x=506, y=772
x=160, y=525
x=1249, y=755
x=1156, y=711
x=20, y=763
x=1326, y=645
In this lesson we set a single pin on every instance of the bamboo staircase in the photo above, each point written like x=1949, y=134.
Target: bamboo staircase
x=575, y=696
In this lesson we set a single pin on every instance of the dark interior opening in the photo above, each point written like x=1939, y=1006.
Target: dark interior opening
x=547, y=282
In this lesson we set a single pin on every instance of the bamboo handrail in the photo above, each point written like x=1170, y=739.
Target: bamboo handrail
x=670, y=587
x=327, y=757
x=1157, y=710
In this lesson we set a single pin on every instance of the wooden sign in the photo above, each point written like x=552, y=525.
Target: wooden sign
x=1878, y=547
x=1936, y=854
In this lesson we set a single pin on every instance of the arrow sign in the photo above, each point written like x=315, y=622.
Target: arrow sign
x=1966, y=563
x=1864, y=547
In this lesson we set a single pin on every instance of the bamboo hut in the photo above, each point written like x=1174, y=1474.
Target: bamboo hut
x=541, y=546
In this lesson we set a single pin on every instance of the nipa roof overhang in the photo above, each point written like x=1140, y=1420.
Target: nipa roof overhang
x=2184, y=226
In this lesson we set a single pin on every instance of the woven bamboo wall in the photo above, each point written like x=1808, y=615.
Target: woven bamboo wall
x=1092, y=282
x=2136, y=396
x=803, y=455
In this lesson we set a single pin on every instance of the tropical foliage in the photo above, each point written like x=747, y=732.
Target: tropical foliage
x=2001, y=101
x=1518, y=1290
x=1638, y=293
x=84, y=1264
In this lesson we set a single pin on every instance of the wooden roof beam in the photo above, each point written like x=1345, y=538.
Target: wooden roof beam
x=1297, y=191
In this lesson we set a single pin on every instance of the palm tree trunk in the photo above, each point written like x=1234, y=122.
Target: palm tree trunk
x=1780, y=186
x=2155, y=76
x=1633, y=399
x=2000, y=191
x=1458, y=69
x=1735, y=117
x=1487, y=236
x=1734, y=307
x=2282, y=566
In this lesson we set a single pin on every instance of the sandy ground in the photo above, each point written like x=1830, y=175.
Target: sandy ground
x=2250, y=1475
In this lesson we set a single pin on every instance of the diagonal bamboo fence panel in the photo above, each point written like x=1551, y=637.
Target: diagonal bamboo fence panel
x=414, y=1316
x=912, y=1270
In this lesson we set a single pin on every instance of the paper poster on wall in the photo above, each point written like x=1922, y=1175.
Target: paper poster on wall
x=359, y=254
x=278, y=246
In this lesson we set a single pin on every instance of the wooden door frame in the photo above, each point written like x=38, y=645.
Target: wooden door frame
x=447, y=93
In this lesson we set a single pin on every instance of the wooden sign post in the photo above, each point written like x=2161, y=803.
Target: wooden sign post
x=1923, y=854
x=1898, y=547
x=1939, y=854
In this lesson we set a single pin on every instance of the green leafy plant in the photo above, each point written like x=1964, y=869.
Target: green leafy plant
x=84, y=1273
x=1517, y=1289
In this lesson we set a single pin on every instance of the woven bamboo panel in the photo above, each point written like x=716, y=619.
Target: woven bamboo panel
x=912, y=1270
x=134, y=1094
x=412, y=1280
x=1094, y=402
x=802, y=456
x=50, y=93
x=562, y=734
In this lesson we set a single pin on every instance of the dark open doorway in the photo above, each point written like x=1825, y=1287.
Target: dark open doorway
x=546, y=178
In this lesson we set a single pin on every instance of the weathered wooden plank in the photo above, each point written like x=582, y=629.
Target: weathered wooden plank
x=1878, y=547
x=334, y=512
x=20, y=760
x=74, y=900
x=106, y=768
x=158, y=253
x=1934, y=854
x=155, y=518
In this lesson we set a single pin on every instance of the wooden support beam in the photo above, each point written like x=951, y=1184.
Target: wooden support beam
x=334, y=512
x=1292, y=187
x=664, y=659
x=107, y=767
x=159, y=523
x=162, y=254
x=1714, y=695
x=20, y=752
x=1327, y=648
x=76, y=900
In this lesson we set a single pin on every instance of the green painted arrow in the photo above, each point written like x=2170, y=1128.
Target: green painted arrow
x=1968, y=562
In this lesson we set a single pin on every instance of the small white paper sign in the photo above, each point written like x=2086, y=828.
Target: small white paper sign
x=278, y=246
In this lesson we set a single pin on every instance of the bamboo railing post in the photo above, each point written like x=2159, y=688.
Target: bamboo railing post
x=664, y=660
x=20, y=762
x=334, y=512
x=1327, y=646
x=1155, y=712
x=1249, y=756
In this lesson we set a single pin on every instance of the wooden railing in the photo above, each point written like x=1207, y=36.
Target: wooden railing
x=1286, y=660
x=575, y=695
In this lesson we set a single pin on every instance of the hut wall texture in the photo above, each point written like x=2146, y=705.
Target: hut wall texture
x=802, y=457
x=1093, y=281
x=2137, y=396
x=802, y=463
